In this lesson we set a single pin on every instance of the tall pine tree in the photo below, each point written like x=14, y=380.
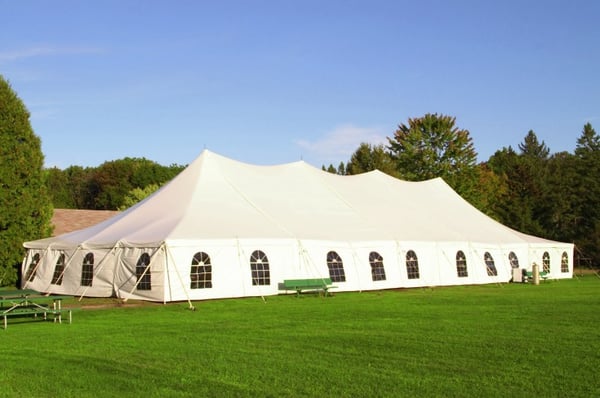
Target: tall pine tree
x=587, y=198
x=25, y=209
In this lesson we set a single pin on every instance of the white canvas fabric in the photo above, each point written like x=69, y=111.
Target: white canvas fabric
x=292, y=216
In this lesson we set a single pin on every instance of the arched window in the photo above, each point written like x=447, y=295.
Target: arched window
x=412, y=265
x=142, y=272
x=87, y=270
x=513, y=260
x=377, y=270
x=32, y=269
x=201, y=271
x=546, y=262
x=489, y=264
x=461, y=264
x=59, y=270
x=564, y=262
x=259, y=264
x=336, y=267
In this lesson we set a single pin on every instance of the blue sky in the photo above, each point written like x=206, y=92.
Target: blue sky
x=271, y=82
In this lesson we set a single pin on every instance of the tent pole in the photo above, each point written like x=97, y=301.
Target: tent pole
x=35, y=269
x=167, y=256
x=137, y=282
x=100, y=266
x=38, y=264
x=355, y=259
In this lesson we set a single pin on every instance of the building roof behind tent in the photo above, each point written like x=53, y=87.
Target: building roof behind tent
x=69, y=220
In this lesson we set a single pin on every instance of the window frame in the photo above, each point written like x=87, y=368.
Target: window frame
x=201, y=271
x=259, y=268
x=143, y=272
x=59, y=270
x=546, y=262
x=377, y=267
x=513, y=260
x=564, y=262
x=490, y=264
x=32, y=269
x=412, y=265
x=87, y=270
x=335, y=265
x=461, y=265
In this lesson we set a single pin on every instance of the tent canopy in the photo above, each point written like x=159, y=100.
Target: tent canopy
x=229, y=205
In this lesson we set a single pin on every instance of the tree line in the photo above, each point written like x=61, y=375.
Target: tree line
x=555, y=196
x=114, y=185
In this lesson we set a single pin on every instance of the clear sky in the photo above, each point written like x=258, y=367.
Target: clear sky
x=272, y=82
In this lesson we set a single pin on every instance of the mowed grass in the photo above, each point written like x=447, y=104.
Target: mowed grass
x=510, y=340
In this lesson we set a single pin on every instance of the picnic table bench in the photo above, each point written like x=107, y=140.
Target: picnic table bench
x=30, y=303
x=321, y=284
x=9, y=294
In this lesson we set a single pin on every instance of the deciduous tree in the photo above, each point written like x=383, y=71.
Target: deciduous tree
x=433, y=146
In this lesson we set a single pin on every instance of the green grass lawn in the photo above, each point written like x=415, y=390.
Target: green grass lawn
x=512, y=340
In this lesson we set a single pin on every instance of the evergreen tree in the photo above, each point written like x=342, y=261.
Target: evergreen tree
x=524, y=207
x=588, y=142
x=330, y=169
x=561, y=198
x=587, y=195
x=514, y=209
x=532, y=148
x=24, y=203
x=533, y=168
x=371, y=157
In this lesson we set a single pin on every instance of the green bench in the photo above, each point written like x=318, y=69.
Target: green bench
x=321, y=284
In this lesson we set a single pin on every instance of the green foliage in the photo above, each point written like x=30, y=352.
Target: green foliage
x=490, y=193
x=526, y=175
x=587, y=195
x=108, y=186
x=58, y=187
x=532, y=148
x=470, y=341
x=329, y=169
x=557, y=196
x=559, y=217
x=371, y=157
x=432, y=146
x=112, y=181
x=137, y=195
x=588, y=143
x=78, y=186
x=24, y=203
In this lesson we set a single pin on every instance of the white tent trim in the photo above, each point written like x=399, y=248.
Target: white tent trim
x=224, y=228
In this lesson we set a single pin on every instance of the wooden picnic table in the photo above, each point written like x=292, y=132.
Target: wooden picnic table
x=21, y=303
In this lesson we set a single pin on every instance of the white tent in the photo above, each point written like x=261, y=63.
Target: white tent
x=223, y=228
